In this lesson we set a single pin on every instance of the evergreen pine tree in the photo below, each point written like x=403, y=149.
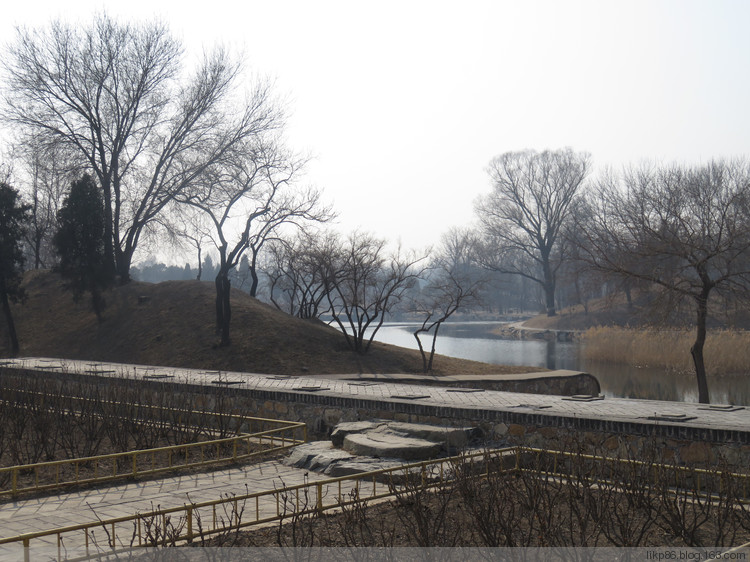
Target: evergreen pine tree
x=13, y=219
x=80, y=242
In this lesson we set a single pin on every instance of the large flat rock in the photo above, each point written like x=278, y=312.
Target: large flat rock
x=317, y=456
x=371, y=445
x=347, y=428
x=383, y=444
x=451, y=436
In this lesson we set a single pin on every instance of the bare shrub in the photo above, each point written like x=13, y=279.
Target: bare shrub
x=358, y=528
x=298, y=516
x=423, y=508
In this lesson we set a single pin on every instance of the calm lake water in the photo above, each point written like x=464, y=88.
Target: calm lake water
x=474, y=340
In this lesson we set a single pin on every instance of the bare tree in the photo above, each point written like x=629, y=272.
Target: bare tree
x=685, y=230
x=296, y=273
x=47, y=172
x=363, y=285
x=453, y=282
x=291, y=209
x=522, y=218
x=246, y=199
x=116, y=93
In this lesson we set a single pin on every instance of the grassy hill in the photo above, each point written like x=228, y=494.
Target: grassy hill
x=172, y=323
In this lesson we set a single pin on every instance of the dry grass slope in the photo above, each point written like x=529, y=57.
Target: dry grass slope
x=172, y=323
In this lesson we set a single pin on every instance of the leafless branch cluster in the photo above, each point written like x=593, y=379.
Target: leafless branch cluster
x=523, y=217
x=117, y=98
x=683, y=230
x=45, y=419
x=452, y=282
x=553, y=502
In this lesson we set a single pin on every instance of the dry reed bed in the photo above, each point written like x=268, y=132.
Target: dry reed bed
x=726, y=351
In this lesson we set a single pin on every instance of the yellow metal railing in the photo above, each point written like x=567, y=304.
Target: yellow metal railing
x=145, y=462
x=196, y=520
x=188, y=522
x=684, y=476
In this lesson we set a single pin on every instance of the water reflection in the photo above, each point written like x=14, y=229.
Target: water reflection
x=551, y=354
x=474, y=340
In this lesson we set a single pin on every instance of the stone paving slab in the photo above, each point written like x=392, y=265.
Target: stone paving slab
x=609, y=409
x=68, y=509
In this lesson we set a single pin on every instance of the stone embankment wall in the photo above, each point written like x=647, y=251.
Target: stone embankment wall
x=678, y=442
x=516, y=333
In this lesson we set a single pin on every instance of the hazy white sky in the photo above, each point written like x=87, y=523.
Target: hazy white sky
x=403, y=104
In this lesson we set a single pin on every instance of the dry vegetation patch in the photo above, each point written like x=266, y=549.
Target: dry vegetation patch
x=726, y=352
x=58, y=431
x=576, y=503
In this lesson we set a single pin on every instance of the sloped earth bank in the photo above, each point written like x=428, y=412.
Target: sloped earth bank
x=173, y=323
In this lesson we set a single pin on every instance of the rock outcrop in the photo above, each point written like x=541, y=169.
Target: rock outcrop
x=371, y=445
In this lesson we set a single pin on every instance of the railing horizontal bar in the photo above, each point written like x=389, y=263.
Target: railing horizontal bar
x=319, y=485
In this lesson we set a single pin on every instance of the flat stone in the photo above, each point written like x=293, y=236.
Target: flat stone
x=344, y=429
x=389, y=445
x=316, y=455
x=358, y=466
x=452, y=436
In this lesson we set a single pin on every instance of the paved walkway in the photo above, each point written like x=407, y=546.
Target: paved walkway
x=87, y=506
x=388, y=389
x=127, y=499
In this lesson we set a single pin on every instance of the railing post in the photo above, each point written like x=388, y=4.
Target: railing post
x=14, y=481
x=320, y=496
x=189, y=523
x=26, y=548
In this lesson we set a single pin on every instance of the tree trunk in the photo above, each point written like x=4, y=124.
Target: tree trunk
x=697, y=350
x=110, y=256
x=421, y=350
x=14, y=347
x=122, y=265
x=219, y=302
x=97, y=301
x=223, y=307
x=254, y=284
x=548, y=286
x=37, y=251
x=432, y=351
x=549, y=297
